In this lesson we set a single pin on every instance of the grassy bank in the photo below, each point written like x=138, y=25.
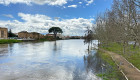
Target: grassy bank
x=7, y=41
x=132, y=54
x=113, y=72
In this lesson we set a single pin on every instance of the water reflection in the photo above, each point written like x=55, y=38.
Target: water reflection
x=3, y=49
x=93, y=62
x=60, y=60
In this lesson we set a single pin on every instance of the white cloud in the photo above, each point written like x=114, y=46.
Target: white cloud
x=8, y=15
x=39, y=2
x=64, y=7
x=74, y=6
x=33, y=18
x=80, y=2
x=89, y=2
x=41, y=23
x=42, y=2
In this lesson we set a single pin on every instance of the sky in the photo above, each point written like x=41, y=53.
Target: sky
x=72, y=16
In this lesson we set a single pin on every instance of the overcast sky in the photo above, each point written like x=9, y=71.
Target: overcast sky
x=73, y=16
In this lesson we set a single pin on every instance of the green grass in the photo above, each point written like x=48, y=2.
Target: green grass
x=113, y=73
x=7, y=41
x=132, y=54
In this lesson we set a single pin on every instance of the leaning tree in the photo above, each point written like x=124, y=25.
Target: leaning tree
x=55, y=30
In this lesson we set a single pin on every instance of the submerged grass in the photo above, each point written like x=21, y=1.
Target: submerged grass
x=113, y=72
x=132, y=54
x=7, y=41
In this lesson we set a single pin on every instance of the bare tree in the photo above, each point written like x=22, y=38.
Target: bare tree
x=121, y=24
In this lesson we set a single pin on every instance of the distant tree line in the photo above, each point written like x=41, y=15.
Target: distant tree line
x=121, y=24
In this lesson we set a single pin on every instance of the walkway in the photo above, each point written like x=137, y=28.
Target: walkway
x=127, y=68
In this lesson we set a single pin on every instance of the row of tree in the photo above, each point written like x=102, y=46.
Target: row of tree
x=121, y=24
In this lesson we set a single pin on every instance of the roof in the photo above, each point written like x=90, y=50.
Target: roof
x=3, y=28
x=23, y=32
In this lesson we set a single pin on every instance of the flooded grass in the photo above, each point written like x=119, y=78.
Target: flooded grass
x=112, y=72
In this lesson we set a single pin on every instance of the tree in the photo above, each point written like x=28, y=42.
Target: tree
x=10, y=34
x=120, y=24
x=88, y=37
x=55, y=30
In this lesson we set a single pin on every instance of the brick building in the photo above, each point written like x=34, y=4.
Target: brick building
x=32, y=35
x=52, y=35
x=3, y=33
x=23, y=34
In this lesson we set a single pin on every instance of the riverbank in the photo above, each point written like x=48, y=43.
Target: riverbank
x=112, y=73
x=8, y=41
x=128, y=70
x=132, y=54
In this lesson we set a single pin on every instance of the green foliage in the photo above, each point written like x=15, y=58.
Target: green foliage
x=6, y=41
x=10, y=34
x=55, y=30
x=113, y=73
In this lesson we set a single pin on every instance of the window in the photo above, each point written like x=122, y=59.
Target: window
x=2, y=34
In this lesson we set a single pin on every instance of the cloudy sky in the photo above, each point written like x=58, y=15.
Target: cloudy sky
x=73, y=16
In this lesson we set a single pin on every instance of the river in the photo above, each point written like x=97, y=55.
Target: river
x=60, y=60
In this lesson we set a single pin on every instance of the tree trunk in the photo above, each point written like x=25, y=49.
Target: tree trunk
x=55, y=35
x=134, y=46
x=124, y=47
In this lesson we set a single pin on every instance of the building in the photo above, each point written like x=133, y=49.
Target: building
x=52, y=35
x=33, y=35
x=27, y=35
x=3, y=33
x=23, y=34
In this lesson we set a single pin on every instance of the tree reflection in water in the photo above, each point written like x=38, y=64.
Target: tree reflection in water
x=57, y=46
x=93, y=62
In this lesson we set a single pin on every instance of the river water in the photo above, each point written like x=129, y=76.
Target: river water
x=60, y=60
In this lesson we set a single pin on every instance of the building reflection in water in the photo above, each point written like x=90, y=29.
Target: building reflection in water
x=3, y=49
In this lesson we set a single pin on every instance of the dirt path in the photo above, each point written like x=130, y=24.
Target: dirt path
x=129, y=70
